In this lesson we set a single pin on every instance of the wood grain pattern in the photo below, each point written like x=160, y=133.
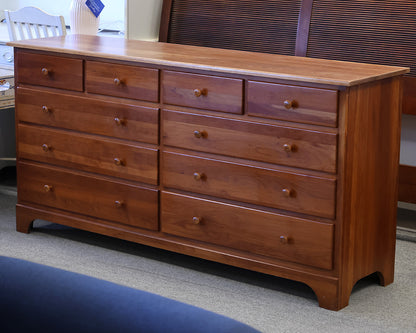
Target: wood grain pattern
x=122, y=81
x=90, y=196
x=250, y=140
x=279, y=236
x=264, y=65
x=58, y=72
x=369, y=180
x=216, y=93
x=89, y=153
x=309, y=194
x=120, y=119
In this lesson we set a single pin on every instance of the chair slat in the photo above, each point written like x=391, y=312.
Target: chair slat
x=31, y=22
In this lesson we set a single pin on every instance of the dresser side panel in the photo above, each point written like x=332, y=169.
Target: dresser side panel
x=372, y=139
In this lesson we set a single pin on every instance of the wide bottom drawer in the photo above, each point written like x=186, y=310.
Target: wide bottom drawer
x=88, y=195
x=274, y=235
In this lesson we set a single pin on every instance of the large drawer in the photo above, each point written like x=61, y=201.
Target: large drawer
x=297, y=192
x=120, y=120
x=92, y=196
x=261, y=142
x=50, y=71
x=202, y=91
x=260, y=232
x=292, y=103
x=89, y=153
x=122, y=80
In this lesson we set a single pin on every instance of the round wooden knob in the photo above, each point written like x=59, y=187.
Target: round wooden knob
x=45, y=109
x=45, y=147
x=288, y=148
x=118, y=203
x=47, y=188
x=287, y=192
x=284, y=239
x=200, y=134
x=118, y=162
x=119, y=121
x=200, y=92
x=196, y=220
x=117, y=81
x=199, y=176
x=45, y=71
x=288, y=104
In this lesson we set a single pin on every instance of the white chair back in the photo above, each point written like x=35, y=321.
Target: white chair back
x=32, y=22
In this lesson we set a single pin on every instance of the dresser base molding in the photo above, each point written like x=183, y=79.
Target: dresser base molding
x=331, y=292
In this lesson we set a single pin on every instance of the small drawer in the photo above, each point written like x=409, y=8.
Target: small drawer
x=273, y=235
x=109, y=200
x=122, y=81
x=89, y=153
x=262, y=142
x=292, y=103
x=49, y=71
x=296, y=192
x=202, y=91
x=120, y=120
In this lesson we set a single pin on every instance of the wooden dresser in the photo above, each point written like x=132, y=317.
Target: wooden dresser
x=277, y=164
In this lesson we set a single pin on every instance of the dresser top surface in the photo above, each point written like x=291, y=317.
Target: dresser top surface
x=328, y=72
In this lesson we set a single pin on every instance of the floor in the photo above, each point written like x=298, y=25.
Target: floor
x=406, y=218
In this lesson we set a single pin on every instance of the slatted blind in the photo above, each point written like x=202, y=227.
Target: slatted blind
x=263, y=26
x=373, y=31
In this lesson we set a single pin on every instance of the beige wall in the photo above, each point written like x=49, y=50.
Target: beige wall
x=143, y=18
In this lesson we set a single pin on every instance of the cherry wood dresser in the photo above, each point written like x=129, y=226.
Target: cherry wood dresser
x=277, y=164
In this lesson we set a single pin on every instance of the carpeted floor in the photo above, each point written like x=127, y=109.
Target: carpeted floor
x=267, y=303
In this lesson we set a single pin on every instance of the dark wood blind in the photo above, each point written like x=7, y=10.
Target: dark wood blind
x=262, y=26
x=373, y=31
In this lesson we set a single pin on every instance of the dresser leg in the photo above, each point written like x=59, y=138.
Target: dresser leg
x=329, y=296
x=24, y=222
x=386, y=276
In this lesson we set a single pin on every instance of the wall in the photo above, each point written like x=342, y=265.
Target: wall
x=143, y=18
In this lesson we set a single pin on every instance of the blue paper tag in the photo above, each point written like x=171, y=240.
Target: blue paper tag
x=96, y=6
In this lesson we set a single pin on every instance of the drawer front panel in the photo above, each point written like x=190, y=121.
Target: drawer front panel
x=120, y=120
x=88, y=153
x=292, y=103
x=49, y=71
x=202, y=91
x=261, y=142
x=113, y=201
x=273, y=235
x=285, y=190
x=122, y=81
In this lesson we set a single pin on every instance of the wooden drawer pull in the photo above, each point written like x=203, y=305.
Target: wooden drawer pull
x=199, y=176
x=46, y=148
x=117, y=81
x=289, y=148
x=119, y=162
x=118, y=204
x=200, y=134
x=45, y=71
x=196, y=220
x=119, y=121
x=200, y=92
x=47, y=188
x=46, y=109
x=289, y=104
x=288, y=193
x=284, y=239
